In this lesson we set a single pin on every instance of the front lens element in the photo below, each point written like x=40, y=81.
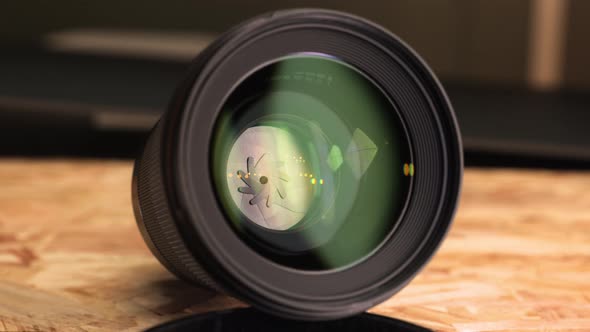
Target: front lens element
x=308, y=162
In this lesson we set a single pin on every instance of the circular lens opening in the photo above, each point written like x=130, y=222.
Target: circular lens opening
x=311, y=163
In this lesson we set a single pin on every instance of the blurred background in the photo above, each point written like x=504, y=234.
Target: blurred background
x=89, y=79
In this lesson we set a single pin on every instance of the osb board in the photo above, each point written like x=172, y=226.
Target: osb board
x=71, y=258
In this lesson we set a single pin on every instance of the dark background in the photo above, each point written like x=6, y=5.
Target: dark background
x=90, y=78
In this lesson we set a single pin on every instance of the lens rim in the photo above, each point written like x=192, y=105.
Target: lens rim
x=188, y=128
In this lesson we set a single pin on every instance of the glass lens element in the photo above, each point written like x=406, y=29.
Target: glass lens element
x=308, y=163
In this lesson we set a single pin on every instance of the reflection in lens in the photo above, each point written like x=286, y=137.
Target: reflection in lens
x=269, y=186
x=360, y=153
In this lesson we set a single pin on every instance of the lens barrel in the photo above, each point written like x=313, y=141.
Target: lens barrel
x=309, y=164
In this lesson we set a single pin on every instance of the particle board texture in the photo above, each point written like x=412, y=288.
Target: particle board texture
x=71, y=258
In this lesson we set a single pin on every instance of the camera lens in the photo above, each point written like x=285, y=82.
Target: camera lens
x=309, y=165
x=307, y=162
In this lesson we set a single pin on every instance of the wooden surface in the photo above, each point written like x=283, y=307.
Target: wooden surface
x=71, y=258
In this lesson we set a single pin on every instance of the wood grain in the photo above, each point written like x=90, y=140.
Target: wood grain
x=71, y=258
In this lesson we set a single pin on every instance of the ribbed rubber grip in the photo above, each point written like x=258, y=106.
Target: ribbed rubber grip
x=155, y=220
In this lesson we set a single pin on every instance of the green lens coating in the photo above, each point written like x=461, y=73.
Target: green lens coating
x=308, y=162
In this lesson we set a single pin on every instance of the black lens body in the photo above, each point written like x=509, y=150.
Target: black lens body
x=179, y=202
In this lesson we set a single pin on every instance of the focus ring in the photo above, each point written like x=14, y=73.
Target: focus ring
x=155, y=220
